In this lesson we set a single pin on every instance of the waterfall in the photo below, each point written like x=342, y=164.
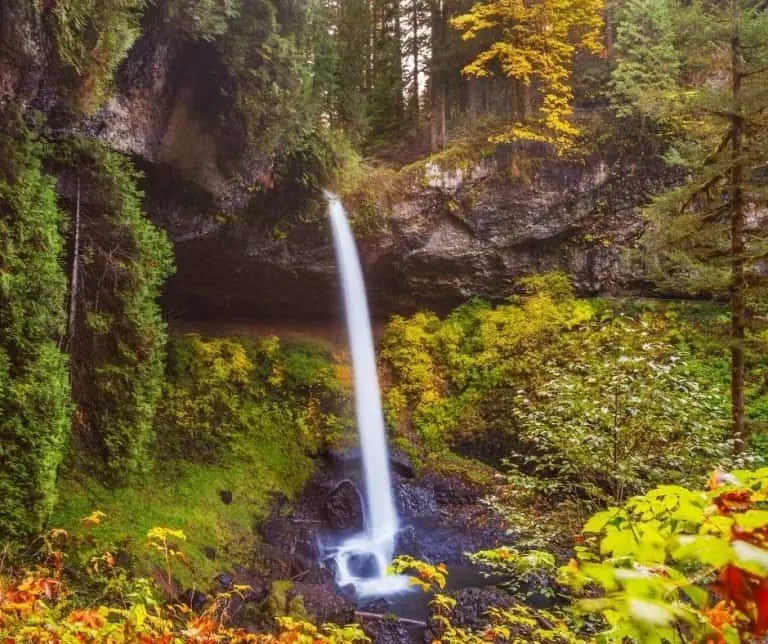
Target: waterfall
x=380, y=514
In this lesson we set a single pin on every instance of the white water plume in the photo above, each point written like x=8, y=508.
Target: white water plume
x=376, y=544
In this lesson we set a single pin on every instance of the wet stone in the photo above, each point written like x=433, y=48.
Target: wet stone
x=363, y=566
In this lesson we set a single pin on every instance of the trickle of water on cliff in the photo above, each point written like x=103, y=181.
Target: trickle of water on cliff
x=374, y=547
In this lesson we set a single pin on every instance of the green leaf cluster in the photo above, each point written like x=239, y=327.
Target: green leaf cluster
x=218, y=389
x=443, y=369
x=92, y=37
x=34, y=386
x=654, y=559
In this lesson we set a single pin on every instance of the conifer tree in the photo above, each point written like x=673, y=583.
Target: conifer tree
x=645, y=79
x=353, y=42
x=34, y=387
x=386, y=98
x=708, y=234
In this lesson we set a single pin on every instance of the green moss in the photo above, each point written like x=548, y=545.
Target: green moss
x=472, y=471
x=92, y=37
x=183, y=495
x=237, y=417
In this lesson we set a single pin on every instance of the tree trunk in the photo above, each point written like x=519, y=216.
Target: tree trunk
x=415, y=53
x=738, y=282
x=436, y=79
x=398, y=62
x=608, y=20
x=444, y=116
x=472, y=99
x=74, y=279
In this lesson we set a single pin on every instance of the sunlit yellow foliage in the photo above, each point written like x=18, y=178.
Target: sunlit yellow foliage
x=424, y=575
x=440, y=368
x=539, y=39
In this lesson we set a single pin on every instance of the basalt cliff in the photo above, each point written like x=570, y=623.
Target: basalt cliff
x=245, y=247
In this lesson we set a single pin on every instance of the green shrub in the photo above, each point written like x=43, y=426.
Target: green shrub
x=202, y=19
x=219, y=389
x=678, y=564
x=580, y=401
x=34, y=388
x=626, y=413
x=442, y=369
x=201, y=410
x=118, y=342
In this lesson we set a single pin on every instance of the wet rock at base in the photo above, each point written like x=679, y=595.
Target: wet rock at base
x=325, y=603
x=343, y=507
x=387, y=630
x=401, y=463
x=415, y=501
x=363, y=565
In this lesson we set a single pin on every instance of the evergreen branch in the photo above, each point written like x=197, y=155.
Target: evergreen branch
x=720, y=147
x=753, y=72
x=706, y=187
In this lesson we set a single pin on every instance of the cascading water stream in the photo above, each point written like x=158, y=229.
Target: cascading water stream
x=380, y=513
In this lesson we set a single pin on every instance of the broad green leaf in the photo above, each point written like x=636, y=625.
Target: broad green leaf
x=598, y=521
x=706, y=549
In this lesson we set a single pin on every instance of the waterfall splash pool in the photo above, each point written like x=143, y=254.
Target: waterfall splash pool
x=362, y=560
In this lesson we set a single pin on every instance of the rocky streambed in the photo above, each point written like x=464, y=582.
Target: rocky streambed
x=442, y=518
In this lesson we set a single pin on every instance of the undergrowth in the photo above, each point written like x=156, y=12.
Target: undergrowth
x=238, y=423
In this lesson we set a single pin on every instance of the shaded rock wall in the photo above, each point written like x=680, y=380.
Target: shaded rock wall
x=451, y=235
x=22, y=56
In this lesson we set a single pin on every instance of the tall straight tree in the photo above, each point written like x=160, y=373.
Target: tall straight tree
x=353, y=43
x=538, y=42
x=437, y=74
x=415, y=41
x=386, y=98
x=709, y=234
x=646, y=76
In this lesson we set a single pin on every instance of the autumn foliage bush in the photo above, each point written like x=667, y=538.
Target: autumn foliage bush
x=680, y=565
x=218, y=388
x=672, y=565
x=74, y=592
x=578, y=400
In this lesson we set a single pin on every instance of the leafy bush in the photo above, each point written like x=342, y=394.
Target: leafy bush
x=678, y=564
x=625, y=415
x=202, y=19
x=443, y=369
x=217, y=389
x=34, y=387
x=673, y=565
x=579, y=400
x=201, y=410
x=47, y=602
x=515, y=623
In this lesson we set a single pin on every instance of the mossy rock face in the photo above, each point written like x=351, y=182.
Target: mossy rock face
x=456, y=479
